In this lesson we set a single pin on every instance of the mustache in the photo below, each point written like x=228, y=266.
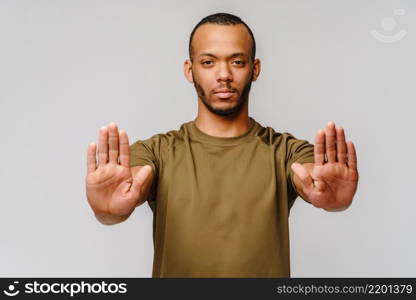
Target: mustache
x=224, y=87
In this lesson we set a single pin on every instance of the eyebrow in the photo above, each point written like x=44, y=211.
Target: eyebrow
x=237, y=54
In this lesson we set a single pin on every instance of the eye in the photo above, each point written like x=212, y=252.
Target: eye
x=239, y=62
x=207, y=62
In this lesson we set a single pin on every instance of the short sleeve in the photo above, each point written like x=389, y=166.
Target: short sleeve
x=300, y=151
x=141, y=154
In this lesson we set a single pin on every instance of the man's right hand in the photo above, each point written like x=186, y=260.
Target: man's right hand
x=113, y=188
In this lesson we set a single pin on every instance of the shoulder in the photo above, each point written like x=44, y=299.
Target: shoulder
x=271, y=137
x=163, y=140
x=285, y=144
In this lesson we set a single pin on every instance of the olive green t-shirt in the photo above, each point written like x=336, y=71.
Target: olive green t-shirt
x=221, y=204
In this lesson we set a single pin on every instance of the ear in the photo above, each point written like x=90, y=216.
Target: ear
x=256, y=69
x=187, y=70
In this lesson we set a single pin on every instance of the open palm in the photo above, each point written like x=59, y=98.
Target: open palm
x=332, y=180
x=110, y=185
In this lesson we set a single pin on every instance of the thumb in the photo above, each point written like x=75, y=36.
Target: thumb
x=141, y=177
x=303, y=175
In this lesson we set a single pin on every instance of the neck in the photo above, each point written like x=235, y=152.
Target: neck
x=222, y=126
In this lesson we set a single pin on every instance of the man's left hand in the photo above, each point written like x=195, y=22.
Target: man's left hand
x=331, y=182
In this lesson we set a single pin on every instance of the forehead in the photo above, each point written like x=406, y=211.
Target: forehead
x=216, y=38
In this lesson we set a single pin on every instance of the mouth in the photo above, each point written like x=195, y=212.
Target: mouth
x=224, y=94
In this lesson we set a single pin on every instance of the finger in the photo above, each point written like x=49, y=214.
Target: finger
x=352, y=156
x=91, y=158
x=103, y=146
x=330, y=148
x=319, y=149
x=140, y=178
x=341, y=146
x=124, y=149
x=113, y=143
x=303, y=175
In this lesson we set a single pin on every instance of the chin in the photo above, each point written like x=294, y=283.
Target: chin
x=224, y=106
x=216, y=100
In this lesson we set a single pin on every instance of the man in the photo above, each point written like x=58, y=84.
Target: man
x=221, y=187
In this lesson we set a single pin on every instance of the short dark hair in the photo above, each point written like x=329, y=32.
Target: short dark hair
x=223, y=19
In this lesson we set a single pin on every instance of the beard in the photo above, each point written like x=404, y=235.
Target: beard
x=242, y=98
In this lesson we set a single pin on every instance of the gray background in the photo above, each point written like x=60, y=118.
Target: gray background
x=69, y=67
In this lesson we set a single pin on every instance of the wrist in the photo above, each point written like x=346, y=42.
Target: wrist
x=109, y=219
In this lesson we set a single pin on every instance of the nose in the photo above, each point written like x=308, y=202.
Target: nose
x=224, y=73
